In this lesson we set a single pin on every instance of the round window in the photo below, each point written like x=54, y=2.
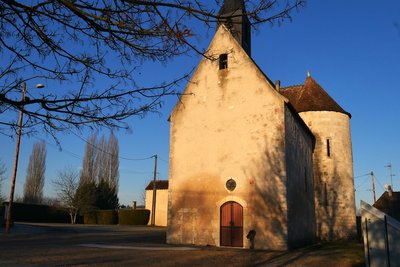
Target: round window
x=231, y=184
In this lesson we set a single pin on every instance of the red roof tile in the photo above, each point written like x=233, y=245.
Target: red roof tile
x=311, y=97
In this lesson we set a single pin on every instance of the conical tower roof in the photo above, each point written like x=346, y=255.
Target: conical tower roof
x=311, y=97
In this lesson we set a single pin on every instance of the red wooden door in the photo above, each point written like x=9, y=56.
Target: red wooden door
x=231, y=224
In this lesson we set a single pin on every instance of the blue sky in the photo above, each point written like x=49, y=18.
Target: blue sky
x=352, y=49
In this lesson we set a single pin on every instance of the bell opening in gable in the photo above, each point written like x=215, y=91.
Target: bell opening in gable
x=223, y=61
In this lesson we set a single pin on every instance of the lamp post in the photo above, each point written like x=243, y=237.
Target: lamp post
x=14, y=174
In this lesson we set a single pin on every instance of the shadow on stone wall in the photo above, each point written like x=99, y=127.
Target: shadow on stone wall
x=267, y=198
x=189, y=213
x=333, y=213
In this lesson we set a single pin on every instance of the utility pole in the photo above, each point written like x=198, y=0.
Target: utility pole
x=14, y=174
x=153, y=205
x=389, y=166
x=373, y=185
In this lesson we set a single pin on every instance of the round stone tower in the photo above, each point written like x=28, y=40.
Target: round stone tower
x=335, y=210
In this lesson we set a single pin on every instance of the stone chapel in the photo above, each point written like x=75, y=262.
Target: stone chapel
x=253, y=164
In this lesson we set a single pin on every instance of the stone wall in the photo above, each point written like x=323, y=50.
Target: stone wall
x=299, y=144
x=333, y=174
x=228, y=125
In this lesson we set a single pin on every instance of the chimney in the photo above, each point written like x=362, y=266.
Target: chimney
x=278, y=85
x=390, y=191
x=133, y=205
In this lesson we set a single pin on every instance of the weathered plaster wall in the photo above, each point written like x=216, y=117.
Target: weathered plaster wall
x=161, y=206
x=299, y=145
x=333, y=175
x=228, y=124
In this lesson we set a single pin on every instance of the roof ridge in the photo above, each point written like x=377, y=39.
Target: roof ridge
x=160, y=184
x=289, y=86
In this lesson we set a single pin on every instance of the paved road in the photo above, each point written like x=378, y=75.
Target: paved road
x=82, y=245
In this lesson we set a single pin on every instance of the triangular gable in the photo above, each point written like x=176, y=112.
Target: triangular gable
x=223, y=35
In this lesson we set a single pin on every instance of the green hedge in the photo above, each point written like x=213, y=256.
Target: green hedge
x=107, y=217
x=22, y=212
x=90, y=218
x=134, y=217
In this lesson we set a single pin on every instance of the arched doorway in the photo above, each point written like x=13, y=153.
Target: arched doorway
x=231, y=232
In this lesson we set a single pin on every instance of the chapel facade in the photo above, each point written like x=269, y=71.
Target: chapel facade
x=251, y=159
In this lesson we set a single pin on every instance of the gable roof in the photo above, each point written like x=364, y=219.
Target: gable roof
x=160, y=185
x=311, y=97
x=210, y=56
x=389, y=204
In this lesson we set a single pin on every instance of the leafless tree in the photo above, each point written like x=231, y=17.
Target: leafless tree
x=34, y=182
x=66, y=186
x=142, y=198
x=102, y=158
x=101, y=161
x=102, y=168
x=72, y=44
x=113, y=161
x=88, y=172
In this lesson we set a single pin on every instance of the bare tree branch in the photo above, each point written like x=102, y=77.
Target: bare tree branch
x=66, y=186
x=73, y=44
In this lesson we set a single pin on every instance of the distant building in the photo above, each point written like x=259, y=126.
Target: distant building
x=251, y=159
x=161, y=201
x=389, y=203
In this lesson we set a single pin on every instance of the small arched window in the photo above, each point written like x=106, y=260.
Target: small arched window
x=223, y=61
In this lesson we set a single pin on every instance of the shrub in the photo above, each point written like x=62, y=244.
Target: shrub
x=107, y=217
x=39, y=213
x=134, y=217
x=90, y=218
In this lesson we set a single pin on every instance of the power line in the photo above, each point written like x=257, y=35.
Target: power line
x=165, y=161
x=367, y=174
x=365, y=181
x=59, y=148
x=120, y=157
x=376, y=179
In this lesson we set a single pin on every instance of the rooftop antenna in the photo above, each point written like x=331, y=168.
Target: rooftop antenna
x=389, y=166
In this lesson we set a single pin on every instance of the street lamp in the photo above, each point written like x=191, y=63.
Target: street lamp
x=14, y=174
